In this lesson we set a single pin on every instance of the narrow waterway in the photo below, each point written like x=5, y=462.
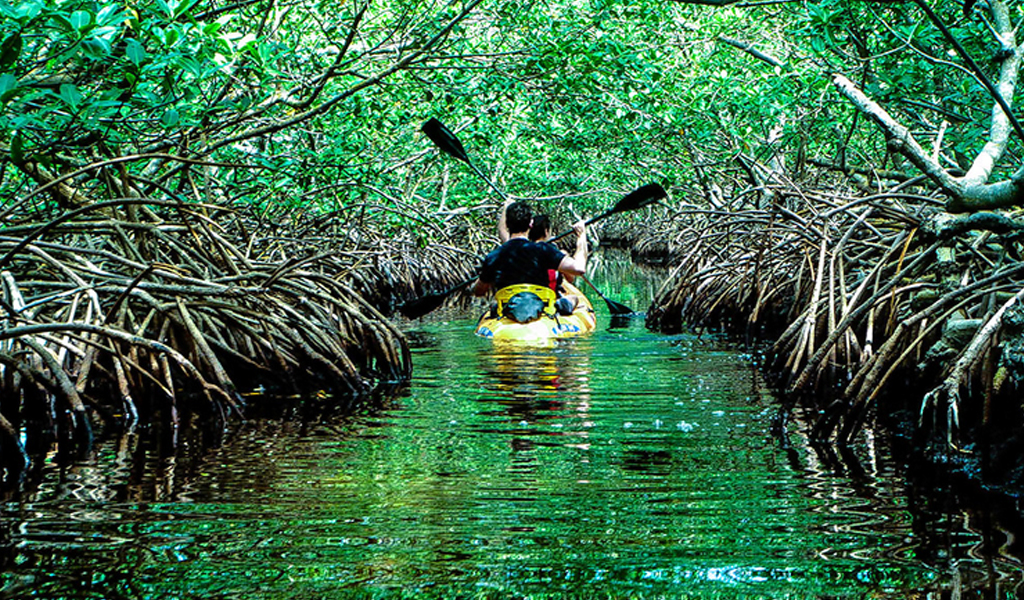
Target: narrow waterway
x=626, y=464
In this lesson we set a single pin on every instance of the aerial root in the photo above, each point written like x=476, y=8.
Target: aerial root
x=857, y=296
x=105, y=317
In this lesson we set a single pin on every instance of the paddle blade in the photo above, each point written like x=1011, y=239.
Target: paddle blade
x=616, y=309
x=445, y=139
x=640, y=197
x=418, y=307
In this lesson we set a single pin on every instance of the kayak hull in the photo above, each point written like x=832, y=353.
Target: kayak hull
x=582, y=321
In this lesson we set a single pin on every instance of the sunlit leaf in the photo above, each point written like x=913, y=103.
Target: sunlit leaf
x=81, y=19
x=70, y=95
x=28, y=10
x=109, y=15
x=245, y=41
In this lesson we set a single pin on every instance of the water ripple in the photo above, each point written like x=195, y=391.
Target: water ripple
x=624, y=465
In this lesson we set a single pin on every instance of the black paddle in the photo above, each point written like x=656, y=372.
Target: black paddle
x=616, y=309
x=450, y=145
x=444, y=139
x=638, y=198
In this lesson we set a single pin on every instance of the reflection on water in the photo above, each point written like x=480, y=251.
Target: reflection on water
x=626, y=464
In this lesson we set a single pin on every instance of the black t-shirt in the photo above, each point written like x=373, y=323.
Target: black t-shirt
x=559, y=278
x=521, y=261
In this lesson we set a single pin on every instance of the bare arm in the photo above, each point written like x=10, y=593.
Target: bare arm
x=503, y=234
x=577, y=263
x=481, y=288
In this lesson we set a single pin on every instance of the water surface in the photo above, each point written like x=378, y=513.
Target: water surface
x=626, y=464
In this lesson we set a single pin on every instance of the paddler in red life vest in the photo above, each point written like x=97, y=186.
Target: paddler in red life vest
x=523, y=272
x=540, y=231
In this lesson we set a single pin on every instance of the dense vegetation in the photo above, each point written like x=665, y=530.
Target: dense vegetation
x=886, y=270
x=170, y=169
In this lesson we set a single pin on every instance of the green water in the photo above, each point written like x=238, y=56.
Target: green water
x=623, y=465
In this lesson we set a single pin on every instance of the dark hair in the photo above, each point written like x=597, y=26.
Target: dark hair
x=540, y=228
x=517, y=217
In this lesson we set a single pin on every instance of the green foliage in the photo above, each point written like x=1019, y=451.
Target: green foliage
x=319, y=103
x=903, y=62
x=89, y=72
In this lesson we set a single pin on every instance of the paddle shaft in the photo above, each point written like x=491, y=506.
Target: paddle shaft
x=615, y=308
x=489, y=182
x=448, y=143
x=590, y=221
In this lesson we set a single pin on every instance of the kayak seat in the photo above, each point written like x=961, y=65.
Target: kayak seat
x=525, y=302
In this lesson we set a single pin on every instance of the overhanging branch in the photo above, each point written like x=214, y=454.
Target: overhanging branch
x=973, y=66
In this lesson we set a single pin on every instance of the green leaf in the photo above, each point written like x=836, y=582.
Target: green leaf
x=135, y=51
x=211, y=29
x=191, y=65
x=170, y=118
x=70, y=95
x=80, y=19
x=96, y=47
x=63, y=22
x=184, y=6
x=17, y=148
x=109, y=15
x=10, y=50
x=245, y=41
x=107, y=32
x=29, y=10
x=168, y=11
x=8, y=82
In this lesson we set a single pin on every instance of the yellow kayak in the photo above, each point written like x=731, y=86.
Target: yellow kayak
x=549, y=326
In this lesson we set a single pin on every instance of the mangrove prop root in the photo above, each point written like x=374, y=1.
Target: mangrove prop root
x=118, y=319
x=845, y=317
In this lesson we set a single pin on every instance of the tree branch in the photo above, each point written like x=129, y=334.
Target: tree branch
x=996, y=7
x=899, y=137
x=751, y=50
x=982, y=221
x=963, y=195
x=326, y=105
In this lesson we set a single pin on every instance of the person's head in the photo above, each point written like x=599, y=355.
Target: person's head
x=541, y=228
x=517, y=217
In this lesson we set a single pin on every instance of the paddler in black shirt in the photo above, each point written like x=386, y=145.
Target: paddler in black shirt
x=522, y=272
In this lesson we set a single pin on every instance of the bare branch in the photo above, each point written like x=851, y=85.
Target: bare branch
x=964, y=195
x=751, y=50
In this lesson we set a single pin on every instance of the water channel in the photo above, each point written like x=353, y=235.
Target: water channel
x=627, y=464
